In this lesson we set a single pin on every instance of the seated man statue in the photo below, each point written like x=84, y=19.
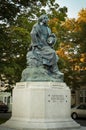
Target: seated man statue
x=41, y=57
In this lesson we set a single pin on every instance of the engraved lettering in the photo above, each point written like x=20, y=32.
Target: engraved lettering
x=57, y=98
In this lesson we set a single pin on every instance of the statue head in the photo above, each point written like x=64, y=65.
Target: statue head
x=43, y=19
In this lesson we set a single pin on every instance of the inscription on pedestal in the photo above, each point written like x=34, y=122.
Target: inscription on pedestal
x=56, y=98
x=56, y=85
x=21, y=86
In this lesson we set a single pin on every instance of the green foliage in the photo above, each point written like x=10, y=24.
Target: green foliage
x=13, y=48
x=9, y=9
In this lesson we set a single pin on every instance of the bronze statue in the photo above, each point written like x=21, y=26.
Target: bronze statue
x=41, y=57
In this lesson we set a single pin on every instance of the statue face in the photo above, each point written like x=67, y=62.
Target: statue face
x=45, y=19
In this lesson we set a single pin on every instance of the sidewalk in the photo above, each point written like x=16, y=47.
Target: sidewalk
x=83, y=128
x=4, y=128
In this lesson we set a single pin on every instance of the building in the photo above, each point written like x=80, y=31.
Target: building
x=79, y=94
x=6, y=98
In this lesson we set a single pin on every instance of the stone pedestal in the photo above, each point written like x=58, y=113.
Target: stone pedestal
x=41, y=105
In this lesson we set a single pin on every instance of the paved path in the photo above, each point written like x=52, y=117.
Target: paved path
x=83, y=128
x=4, y=128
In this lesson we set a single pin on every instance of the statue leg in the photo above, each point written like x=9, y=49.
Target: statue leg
x=55, y=71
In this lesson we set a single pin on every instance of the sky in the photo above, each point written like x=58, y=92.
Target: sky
x=74, y=6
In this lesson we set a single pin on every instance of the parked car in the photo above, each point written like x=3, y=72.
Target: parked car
x=3, y=107
x=78, y=111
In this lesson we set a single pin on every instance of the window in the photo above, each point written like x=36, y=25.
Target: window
x=82, y=96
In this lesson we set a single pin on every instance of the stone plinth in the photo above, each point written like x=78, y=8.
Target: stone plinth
x=41, y=105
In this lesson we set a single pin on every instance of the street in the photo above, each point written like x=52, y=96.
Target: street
x=81, y=121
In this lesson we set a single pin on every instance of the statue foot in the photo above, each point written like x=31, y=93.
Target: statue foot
x=58, y=75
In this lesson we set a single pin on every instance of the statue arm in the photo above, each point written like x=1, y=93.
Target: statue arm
x=34, y=36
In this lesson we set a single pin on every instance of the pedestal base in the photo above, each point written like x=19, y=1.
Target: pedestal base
x=41, y=105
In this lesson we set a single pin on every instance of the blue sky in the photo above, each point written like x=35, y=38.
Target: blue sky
x=74, y=6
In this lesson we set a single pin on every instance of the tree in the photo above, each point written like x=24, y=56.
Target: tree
x=10, y=9
x=14, y=48
x=72, y=49
x=82, y=29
